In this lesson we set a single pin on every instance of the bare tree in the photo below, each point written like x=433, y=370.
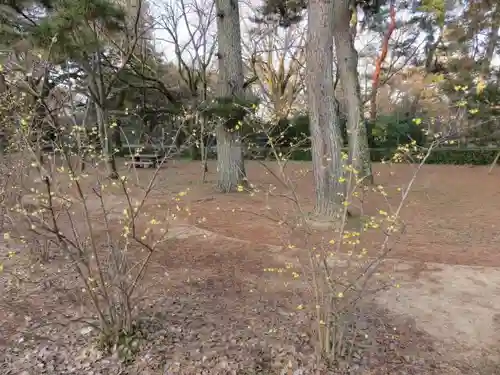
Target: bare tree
x=190, y=26
x=276, y=56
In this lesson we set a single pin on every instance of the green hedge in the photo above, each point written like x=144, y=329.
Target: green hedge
x=463, y=156
x=455, y=156
x=376, y=154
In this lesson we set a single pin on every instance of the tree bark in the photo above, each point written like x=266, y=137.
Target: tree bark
x=103, y=119
x=116, y=138
x=106, y=144
x=324, y=123
x=230, y=163
x=4, y=89
x=347, y=62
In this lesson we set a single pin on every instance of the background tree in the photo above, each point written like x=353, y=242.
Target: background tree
x=276, y=57
x=288, y=13
x=80, y=32
x=380, y=61
x=190, y=26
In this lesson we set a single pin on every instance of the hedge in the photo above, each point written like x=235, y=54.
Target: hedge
x=455, y=156
x=463, y=156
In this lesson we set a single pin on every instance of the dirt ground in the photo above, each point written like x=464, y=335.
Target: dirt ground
x=451, y=215
x=216, y=311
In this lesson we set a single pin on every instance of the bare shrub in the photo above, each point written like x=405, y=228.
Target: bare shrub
x=342, y=275
x=97, y=227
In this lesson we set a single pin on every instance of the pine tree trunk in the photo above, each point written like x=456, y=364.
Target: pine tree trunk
x=347, y=62
x=230, y=163
x=324, y=122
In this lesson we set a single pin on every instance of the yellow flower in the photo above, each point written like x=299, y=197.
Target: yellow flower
x=481, y=85
x=300, y=307
x=240, y=188
x=340, y=294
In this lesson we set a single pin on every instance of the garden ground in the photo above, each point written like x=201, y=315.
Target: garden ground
x=216, y=310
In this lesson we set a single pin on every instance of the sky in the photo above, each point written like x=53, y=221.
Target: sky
x=366, y=43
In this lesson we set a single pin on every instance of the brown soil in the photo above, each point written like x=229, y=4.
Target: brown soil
x=451, y=215
x=216, y=311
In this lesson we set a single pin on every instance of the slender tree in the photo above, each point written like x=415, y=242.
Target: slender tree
x=380, y=61
x=190, y=26
x=347, y=63
x=276, y=56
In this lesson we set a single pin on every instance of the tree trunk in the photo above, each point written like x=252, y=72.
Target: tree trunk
x=194, y=150
x=102, y=120
x=347, y=62
x=106, y=145
x=116, y=138
x=230, y=163
x=324, y=122
x=202, y=120
x=4, y=132
x=203, y=151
